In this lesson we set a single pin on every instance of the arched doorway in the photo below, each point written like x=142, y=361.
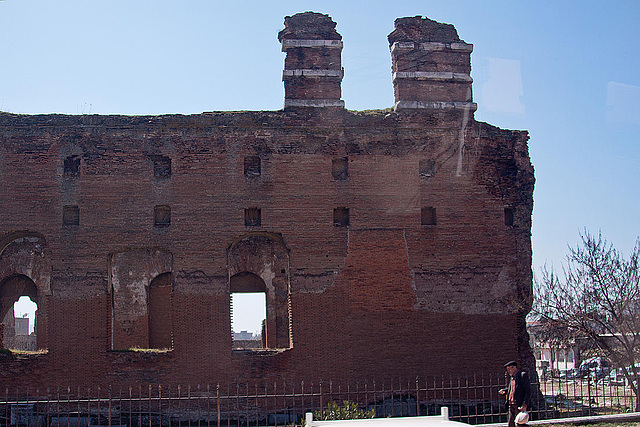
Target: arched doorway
x=25, y=271
x=140, y=284
x=259, y=263
x=248, y=299
x=17, y=333
x=160, y=313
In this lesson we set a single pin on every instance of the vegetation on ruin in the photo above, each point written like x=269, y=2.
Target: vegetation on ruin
x=142, y=350
x=14, y=352
x=379, y=112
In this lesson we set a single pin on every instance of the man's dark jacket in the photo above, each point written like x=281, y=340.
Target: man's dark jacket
x=523, y=389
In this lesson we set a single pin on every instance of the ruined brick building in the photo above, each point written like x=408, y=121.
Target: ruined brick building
x=386, y=243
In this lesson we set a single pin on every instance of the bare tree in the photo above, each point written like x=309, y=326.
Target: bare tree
x=596, y=298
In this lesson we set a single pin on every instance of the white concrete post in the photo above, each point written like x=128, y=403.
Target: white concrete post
x=444, y=412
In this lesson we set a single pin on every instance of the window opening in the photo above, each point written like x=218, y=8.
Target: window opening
x=340, y=168
x=24, y=308
x=252, y=166
x=161, y=166
x=70, y=215
x=426, y=168
x=248, y=314
x=252, y=217
x=162, y=216
x=248, y=311
x=508, y=217
x=341, y=217
x=18, y=308
x=428, y=215
x=72, y=166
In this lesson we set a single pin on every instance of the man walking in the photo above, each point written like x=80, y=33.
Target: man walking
x=517, y=392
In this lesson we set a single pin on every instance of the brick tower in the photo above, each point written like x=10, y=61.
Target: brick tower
x=431, y=66
x=312, y=68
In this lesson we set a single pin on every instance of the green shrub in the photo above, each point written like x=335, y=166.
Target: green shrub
x=346, y=411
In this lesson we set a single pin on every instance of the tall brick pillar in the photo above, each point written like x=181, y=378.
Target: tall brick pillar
x=312, y=68
x=431, y=66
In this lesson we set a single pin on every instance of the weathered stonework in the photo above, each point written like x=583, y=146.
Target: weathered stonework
x=387, y=243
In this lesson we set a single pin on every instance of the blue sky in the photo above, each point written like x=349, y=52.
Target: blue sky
x=566, y=71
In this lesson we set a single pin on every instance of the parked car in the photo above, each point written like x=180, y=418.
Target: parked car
x=595, y=367
x=616, y=376
x=567, y=375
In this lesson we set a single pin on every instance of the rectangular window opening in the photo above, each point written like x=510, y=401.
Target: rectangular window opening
x=252, y=166
x=252, y=217
x=248, y=314
x=72, y=166
x=428, y=215
x=508, y=217
x=340, y=168
x=162, y=216
x=70, y=215
x=426, y=168
x=161, y=166
x=341, y=217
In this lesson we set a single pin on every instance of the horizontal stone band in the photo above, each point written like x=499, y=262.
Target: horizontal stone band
x=435, y=105
x=432, y=46
x=292, y=43
x=432, y=75
x=313, y=73
x=314, y=103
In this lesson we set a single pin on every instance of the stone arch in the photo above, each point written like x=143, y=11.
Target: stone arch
x=264, y=256
x=246, y=282
x=25, y=270
x=159, y=299
x=136, y=277
x=27, y=253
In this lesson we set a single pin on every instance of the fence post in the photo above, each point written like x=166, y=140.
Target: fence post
x=417, y=398
x=109, y=416
x=321, y=404
x=160, y=403
x=589, y=392
x=218, y=402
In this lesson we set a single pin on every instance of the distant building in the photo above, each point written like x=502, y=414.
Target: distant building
x=551, y=359
x=22, y=325
x=243, y=335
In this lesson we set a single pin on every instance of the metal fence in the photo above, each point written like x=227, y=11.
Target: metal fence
x=472, y=400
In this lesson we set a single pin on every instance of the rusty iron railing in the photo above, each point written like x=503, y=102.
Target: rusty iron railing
x=472, y=400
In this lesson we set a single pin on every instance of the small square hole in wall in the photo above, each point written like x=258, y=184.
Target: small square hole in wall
x=252, y=166
x=508, y=217
x=70, y=215
x=341, y=217
x=161, y=166
x=252, y=217
x=427, y=167
x=428, y=215
x=340, y=168
x=162, y=216
x=72, y=166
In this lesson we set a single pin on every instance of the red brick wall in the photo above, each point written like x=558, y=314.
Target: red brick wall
x=384, y=296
